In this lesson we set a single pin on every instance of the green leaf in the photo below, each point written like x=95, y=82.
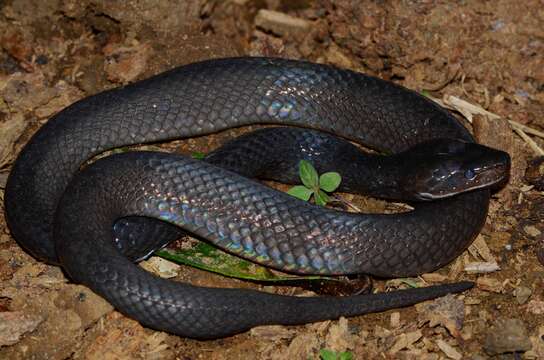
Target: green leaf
x=301, y=192
x=410, y=282
x=425, y=93
x=321, y=198
x=198, y=155
x=330, y=181
x=326, y=354
x=346, y=355
x=308, y=174
x=207, y=257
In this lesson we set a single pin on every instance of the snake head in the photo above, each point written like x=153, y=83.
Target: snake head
x=442, y=168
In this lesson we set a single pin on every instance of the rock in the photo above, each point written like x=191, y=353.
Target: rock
x=522, y=294
x=537, y=352
x=506, y=336
x=85, y=303
x=65, y=94
x=13, y=324
x=281, y=24
x=336, y=56
x=160, y=16
x=126, y=339
x=126, y=63
x=3, y=181
x=10, y=131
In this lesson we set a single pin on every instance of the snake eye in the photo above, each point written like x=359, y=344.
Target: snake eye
x=470, y=174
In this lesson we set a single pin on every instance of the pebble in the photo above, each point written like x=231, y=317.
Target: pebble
x=522, y=294
x=507, y=336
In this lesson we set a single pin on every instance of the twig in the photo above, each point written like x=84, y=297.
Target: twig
x=526, y=129
x=537, y=149
x=467, y=110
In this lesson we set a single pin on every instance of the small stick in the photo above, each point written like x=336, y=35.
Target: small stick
x=529, y=141
x=526, y=128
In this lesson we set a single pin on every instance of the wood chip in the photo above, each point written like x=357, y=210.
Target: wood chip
x=479, y=247
x=489, y=284
x=479, y=267
x=395, y=319
x=448, y=350
x=281, y=24
x=434, y=277
x=161, y=267
x=403, y=341
x=272, y=332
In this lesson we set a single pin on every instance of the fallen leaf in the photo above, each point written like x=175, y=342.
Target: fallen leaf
x=447, y=311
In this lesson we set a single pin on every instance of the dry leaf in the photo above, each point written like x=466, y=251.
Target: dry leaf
x=339, y=338
x=447, y=311
x=403, y=341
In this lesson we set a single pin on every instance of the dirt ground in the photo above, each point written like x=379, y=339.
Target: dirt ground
x=485, y=53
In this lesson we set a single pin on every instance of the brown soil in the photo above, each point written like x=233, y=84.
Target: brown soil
x=488, y=53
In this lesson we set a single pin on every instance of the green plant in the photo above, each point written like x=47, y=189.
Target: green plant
x=314, y=184
x=198, y=155
x=326, y=354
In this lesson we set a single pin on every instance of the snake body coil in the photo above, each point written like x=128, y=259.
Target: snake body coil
x=236, y=213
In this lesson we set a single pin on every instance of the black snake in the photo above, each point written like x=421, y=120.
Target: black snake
x=232, y=211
